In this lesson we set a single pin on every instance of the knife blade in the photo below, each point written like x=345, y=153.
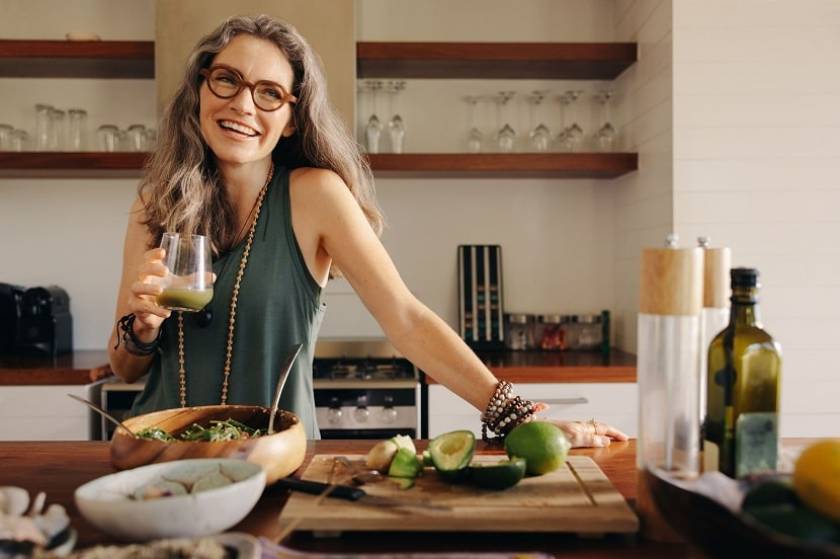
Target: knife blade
x=355, y=494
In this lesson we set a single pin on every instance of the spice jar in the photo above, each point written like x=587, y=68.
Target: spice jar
x=550, y=336
x=590, y=333
x=519, y=332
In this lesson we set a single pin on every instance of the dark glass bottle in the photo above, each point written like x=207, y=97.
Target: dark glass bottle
x=743, y=383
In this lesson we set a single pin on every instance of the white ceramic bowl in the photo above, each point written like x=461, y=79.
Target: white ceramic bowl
x=106, y=504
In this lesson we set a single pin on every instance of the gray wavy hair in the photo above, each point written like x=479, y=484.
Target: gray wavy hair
x=181, y=187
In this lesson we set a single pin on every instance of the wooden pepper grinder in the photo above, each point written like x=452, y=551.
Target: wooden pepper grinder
x=715, y=316
x=670, y=305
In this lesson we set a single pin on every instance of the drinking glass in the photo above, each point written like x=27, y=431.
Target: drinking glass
x=506, y=136
x=6, y=137
x=58, y=137
x=373, y=129
x=474, y=136
x=151, y=139
x=540, y=135
x=136, y=137
x=19, y=140
x=188, y=285
x=606, y=135
x=396, y=126
x=107, y=136
x=77, y=129
x=43, y=126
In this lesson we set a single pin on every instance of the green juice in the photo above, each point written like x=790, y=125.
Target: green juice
x=180, y=299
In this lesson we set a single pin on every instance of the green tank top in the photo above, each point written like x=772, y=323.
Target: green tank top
x=279, y=306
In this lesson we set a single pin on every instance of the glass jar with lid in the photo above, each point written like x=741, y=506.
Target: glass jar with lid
x=590, y=332
x=519, y=331
x=549, y=335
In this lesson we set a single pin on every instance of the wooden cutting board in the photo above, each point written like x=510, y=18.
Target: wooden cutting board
x=575, y=498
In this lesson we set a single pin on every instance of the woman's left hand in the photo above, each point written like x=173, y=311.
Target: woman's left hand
x=585, y=433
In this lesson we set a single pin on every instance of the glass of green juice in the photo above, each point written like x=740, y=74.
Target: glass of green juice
x=189, y=284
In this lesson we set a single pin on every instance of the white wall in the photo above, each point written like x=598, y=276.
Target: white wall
x=756, y=161
x=643, y=200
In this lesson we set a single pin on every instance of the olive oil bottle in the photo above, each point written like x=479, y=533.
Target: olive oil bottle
x=743, y=383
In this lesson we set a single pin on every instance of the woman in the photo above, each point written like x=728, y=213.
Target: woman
x=252, y=156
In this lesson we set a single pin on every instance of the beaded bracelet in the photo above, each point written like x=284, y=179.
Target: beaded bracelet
x=504, y=411
x=133, y=344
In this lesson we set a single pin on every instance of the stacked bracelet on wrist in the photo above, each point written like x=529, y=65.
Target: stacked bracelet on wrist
x=505, y=411
x=133, y=344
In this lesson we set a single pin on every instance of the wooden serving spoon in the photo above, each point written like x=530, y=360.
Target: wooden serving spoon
x=104, y=414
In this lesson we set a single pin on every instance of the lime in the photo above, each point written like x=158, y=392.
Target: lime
x=500, y=475
x=543, y=446
x=816, y=477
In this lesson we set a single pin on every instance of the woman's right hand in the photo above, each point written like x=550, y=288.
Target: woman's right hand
x=142, y=300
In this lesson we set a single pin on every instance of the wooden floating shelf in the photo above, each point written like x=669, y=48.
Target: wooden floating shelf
x=590, y=61
x=77, y=59
x=562, y=366
x=466, y=165
x=480, y=165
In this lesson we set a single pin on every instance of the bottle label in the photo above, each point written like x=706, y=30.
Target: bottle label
x=756, y=443
x=711, y=456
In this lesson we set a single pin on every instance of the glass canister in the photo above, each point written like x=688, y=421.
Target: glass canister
x=590, y=332
x=58, y=138
x=76, y=129
x=549, y=335
x=151, y=139
x=19, y=140
x=43, y=126
x=106, y=136
x=519, y=335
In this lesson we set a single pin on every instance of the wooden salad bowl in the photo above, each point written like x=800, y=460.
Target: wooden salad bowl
x=721, y=533
x=280, y=453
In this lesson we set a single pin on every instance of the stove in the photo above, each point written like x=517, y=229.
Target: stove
x=364, y=390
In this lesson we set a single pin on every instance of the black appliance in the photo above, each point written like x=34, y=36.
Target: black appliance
x=46, y=326
x=11, y=298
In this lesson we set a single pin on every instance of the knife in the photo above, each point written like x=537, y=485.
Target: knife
x=354, y=494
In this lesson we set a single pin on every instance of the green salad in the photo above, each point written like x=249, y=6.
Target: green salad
x=226, y=430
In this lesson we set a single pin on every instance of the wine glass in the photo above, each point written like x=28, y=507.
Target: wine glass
x=606, y=135
x=506, y=136
x=540, y=135
x=574, y=133
x=373, y=129
x=396, y=126
x=188, y=285
x=474, y=136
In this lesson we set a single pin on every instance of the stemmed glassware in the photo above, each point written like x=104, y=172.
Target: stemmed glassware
x=506, y=136
x=396, y=126
x=373, y=128
x=540, y=135
x=574, y=133
x=474, y=136
x=189, y=284
x=606, y=135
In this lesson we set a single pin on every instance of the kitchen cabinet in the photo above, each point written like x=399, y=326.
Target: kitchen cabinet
x=613, y=403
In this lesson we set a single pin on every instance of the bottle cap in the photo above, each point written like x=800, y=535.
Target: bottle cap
x=744, y=277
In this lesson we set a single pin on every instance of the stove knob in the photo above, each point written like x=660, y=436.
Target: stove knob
x=334, y=413
x=361, y=413
x=388, y=414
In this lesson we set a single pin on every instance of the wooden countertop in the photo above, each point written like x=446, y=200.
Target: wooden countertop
x=58, y=468
x=561, y=366
x=78, y=367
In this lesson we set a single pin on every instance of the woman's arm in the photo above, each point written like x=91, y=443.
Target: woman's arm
x=137, y=295
x=419, y=334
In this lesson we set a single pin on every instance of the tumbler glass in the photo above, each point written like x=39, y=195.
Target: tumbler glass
x=189, y=284
x=58, y=137
x=136, y=138
x=107, y=137
x=19, y=140
x=77, y=129
x=6, y=137
x=43, y=128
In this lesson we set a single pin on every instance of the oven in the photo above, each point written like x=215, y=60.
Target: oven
x=364, y=389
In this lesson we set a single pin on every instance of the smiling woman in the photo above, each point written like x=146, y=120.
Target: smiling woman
x=253, y=157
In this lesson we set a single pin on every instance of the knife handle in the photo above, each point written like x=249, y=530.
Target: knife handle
x=316, y=488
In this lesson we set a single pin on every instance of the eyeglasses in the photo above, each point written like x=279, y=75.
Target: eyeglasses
x=226, y=82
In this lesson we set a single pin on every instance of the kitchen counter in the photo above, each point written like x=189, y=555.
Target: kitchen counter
x=76, y=368
x=59, y=467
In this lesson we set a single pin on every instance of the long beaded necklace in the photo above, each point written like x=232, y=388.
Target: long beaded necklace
x=182, y=373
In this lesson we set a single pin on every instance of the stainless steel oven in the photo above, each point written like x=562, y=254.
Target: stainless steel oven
x=364, y=389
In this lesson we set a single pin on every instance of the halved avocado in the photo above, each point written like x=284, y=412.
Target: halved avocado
x=451, y=454
x=427, y=458
x=499, y=475
x=405, y=464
